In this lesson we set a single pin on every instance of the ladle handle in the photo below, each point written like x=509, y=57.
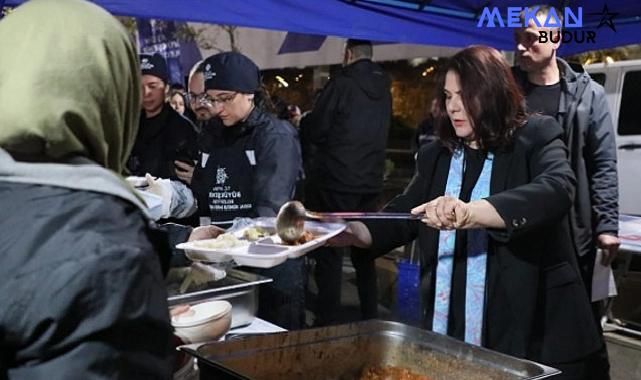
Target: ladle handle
x=363, y=215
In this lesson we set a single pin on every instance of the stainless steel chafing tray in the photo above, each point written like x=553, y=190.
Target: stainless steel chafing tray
x=342, y=352
x=239, y=288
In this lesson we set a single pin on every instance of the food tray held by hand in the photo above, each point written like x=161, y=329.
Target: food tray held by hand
x=265, y=252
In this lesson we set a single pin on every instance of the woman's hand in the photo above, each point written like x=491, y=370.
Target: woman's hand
x=446, y=213
x=355, y=234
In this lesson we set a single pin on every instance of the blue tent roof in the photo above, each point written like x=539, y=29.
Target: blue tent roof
x=440, y=22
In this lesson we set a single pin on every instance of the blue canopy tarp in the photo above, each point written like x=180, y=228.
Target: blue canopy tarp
x=440, y=22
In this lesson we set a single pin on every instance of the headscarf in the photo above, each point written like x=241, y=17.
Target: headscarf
x=69, y=84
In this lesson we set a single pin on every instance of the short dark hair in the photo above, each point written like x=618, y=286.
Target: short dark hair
x=493, y=100
x=360, y=48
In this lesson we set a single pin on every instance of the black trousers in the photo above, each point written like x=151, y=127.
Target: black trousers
x=282, y=301
x=596, y=367
x=329, y=261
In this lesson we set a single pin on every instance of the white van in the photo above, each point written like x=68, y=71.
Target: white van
x=622, y=83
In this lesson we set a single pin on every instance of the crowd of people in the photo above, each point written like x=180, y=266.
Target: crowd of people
x=516, y=183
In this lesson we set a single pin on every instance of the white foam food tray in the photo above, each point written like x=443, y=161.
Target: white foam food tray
x=265, y=252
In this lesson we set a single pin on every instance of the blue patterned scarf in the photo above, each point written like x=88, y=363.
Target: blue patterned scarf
x=476, y=257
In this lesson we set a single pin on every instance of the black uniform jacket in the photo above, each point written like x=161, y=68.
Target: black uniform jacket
x=277, y=160
x=589, y=134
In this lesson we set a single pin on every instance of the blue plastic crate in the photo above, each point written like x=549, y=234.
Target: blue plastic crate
x=408, y=305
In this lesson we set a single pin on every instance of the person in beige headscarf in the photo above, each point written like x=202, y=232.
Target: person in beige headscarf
x=82, y=282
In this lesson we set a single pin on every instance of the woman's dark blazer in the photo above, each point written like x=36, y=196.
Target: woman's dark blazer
x=536, y=305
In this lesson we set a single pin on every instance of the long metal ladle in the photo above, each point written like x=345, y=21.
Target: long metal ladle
x=290, y=221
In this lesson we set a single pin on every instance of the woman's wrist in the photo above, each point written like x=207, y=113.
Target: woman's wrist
x=483, y=215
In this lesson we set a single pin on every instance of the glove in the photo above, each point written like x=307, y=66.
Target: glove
x=164, y=189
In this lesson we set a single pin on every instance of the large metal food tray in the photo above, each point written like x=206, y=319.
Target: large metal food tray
x=342, y=352
x=238, y=288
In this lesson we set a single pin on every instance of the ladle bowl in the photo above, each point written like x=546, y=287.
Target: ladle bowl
x=290, y=222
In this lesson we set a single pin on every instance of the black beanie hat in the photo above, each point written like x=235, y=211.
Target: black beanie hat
x=231, y=71
x=154, y=65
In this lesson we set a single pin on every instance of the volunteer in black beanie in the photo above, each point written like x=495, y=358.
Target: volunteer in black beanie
x=249, y=166
x=154, y=65
x=166, y=141
x=231, y=82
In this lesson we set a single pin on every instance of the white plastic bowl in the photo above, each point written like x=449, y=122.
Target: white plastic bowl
x=204, y=322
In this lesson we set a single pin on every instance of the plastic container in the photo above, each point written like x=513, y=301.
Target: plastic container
x=205, y=321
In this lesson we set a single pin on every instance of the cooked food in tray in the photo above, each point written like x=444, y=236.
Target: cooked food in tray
x=257, y=232
x=223, y=241
x=389, y=372
x=307, y=237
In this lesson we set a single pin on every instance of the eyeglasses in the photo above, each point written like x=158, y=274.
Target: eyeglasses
x=210, y=101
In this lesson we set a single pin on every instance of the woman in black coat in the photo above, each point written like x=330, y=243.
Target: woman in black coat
x=497, y=267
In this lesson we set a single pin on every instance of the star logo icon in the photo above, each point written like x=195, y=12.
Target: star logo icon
x=607, y=18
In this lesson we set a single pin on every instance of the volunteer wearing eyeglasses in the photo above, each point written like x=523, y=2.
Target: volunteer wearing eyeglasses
x=250, y=161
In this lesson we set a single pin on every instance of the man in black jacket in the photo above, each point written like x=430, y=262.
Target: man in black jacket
x=198, y=112
x=164, y=135
x=555, y=88
x=344, y=141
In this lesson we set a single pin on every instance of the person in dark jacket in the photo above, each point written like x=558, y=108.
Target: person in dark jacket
x=497, y=263
x=425, y=130
x=344, y=139
x=249, y=165
x=555, y=88
x=82, y=288
x=199, y=112
x=164, y=135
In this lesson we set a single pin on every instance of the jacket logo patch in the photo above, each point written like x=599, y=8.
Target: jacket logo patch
x=251, y=156
x=221, y=176
x=203, y=159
